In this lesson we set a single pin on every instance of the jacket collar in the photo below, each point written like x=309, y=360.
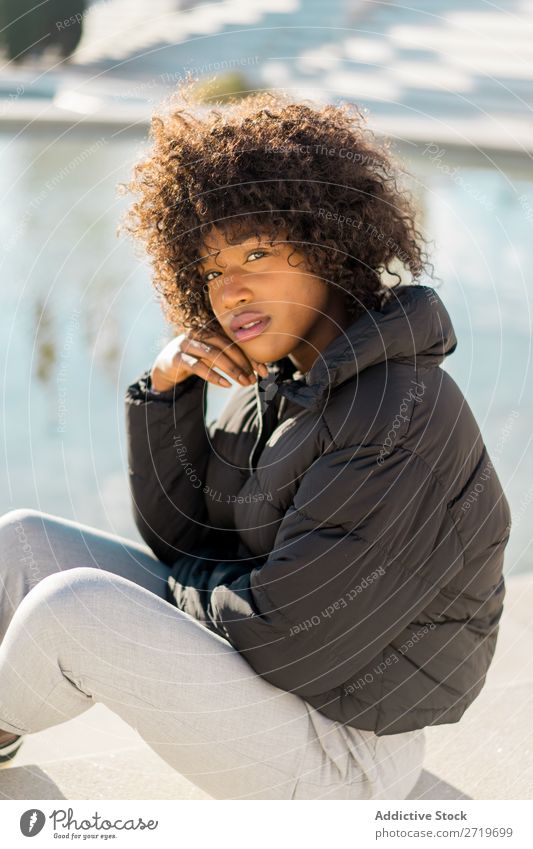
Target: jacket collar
x=413, y=326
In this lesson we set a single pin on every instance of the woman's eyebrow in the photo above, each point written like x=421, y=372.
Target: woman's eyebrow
x=216, y=252
x=249, y=234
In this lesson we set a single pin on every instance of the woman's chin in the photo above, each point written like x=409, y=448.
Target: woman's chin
x=264, y=350
x=266, y=354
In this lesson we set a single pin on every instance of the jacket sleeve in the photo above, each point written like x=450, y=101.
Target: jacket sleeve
x=168, y=450
x=352, y=565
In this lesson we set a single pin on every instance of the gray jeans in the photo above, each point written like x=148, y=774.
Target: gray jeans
x=83, y=619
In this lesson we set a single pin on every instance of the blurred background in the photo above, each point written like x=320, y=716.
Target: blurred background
x=451, y=83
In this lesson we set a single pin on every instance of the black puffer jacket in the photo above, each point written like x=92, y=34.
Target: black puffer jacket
x=345, y=529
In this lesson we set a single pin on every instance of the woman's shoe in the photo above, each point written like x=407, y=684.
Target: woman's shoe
x=9, y=746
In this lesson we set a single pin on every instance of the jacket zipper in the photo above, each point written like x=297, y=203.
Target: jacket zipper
x=260, y=428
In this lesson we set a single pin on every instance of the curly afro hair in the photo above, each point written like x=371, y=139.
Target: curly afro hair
x=267, y=164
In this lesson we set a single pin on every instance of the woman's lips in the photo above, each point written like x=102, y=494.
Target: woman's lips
x=245, y=333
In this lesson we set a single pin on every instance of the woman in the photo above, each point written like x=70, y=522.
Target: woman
x=317, y=585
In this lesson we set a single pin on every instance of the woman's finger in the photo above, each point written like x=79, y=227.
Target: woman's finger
x=215, y=358
x=231, y=350
x=202, y=370
x=260, y=368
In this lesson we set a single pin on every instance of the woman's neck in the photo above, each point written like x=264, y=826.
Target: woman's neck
x=331, y=325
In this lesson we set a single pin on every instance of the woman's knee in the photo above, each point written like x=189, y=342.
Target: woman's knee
x=45, y=618
x=67, y=597
x=79, y=582
x=28, y=545
x=19, y=548
x=21, y=516
x=19, y=526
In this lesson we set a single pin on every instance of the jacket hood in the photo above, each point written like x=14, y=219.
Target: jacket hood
x=413, y=326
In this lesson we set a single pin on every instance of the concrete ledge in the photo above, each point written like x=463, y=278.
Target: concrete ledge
x=487, y=755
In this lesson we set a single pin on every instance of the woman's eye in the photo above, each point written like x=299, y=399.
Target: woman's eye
x=211, y=275
x=255, y=253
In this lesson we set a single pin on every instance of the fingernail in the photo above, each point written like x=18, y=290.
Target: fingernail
x=223, y=381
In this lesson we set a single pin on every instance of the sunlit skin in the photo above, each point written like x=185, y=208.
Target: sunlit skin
x=306, y=312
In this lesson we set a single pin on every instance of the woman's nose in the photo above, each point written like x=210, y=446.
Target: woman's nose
x=235, y=288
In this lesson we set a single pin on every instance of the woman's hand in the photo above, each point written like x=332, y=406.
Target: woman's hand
x=192, y=353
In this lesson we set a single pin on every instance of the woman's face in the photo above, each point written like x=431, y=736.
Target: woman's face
x=299, y=313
